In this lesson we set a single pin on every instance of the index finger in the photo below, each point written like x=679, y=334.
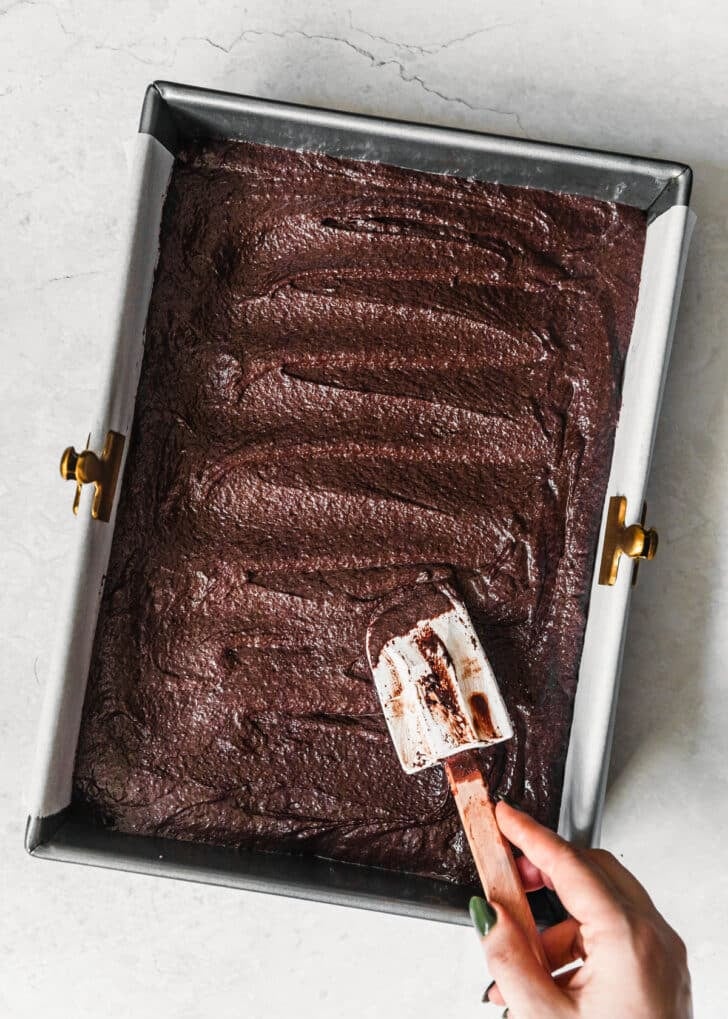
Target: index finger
x=582, y=888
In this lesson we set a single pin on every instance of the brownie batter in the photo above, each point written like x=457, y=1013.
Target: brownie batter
x=357, y=379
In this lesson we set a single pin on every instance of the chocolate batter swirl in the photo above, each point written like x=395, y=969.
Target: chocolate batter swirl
x=356, y=379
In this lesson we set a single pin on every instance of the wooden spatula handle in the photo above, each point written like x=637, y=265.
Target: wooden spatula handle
x=492, y=854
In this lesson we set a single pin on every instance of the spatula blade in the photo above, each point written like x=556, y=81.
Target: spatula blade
x=437, y=688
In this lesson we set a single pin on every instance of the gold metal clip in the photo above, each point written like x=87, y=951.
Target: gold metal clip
x=102, y=471
x=634, y=541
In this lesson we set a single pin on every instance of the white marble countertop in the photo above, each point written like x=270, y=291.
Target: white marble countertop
x=635, y=77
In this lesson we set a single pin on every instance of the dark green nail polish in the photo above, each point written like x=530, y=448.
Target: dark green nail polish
x=487, y=991
x=482, y=915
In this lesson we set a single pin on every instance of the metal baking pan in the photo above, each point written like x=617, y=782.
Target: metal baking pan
x=173, y=114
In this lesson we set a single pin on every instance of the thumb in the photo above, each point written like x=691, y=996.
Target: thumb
x=527, y=989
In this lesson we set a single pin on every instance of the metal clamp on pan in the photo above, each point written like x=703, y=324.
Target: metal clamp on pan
x=101, y=471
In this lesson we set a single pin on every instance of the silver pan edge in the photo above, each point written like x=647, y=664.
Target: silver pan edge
x=173, y=114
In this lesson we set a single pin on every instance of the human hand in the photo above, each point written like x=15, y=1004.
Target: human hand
x=634, y=964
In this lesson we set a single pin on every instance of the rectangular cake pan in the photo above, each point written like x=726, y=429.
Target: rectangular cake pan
x=174, y=114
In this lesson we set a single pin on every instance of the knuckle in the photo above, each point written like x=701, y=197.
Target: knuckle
x=679, y=947
x=566, y=855
x=602, y=856
x=567, y=851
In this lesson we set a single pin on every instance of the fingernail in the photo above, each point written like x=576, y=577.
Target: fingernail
x=482, y=915
x=486, y=992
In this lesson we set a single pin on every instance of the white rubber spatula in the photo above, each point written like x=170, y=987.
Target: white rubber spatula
x=441, y=700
